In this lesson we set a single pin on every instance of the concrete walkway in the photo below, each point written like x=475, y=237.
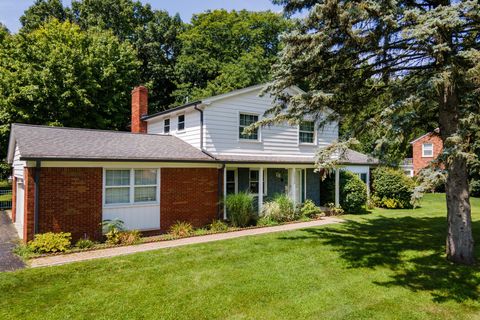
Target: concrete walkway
x=8, y=240
x=117, y=251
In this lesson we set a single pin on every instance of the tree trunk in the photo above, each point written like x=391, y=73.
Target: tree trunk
x=459, y=236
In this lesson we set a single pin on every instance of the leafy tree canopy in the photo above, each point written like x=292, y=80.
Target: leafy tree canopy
x=223, y=51
x=421, y=57
x=61, y=75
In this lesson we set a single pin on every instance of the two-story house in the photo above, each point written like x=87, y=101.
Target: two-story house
x=175, y=165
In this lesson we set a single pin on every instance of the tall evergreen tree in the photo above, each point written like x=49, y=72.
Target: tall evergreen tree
x=425, y=54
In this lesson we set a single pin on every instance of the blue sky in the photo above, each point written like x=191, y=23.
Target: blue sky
x=11, y=10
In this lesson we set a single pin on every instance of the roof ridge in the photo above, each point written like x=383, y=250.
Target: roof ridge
x=88, y=129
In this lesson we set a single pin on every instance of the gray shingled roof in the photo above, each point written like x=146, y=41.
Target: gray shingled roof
x=351, y=157
x=41, y=142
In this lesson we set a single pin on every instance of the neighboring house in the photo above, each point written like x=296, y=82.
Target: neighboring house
x=175, y=165
x=407, y=166
x=426, y=149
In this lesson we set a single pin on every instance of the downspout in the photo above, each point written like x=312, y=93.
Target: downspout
x=37, y=192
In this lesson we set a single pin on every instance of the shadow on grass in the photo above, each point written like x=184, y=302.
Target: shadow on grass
x=413, y=248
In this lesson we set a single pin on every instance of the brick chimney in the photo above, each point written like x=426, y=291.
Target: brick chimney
x=139, y=109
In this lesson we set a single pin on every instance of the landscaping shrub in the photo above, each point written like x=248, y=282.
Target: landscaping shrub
x=129, y=237
x=218, y=226
x=266, y=221
x=24, y=251
x=84, y=244
x=353, y=192
x=112, y=230
x=280, y=209
x=181, y=229
x=51, y=242
x=239, y=208
x=201, y=232
x=309, y=209
x=392, y=188
x=332, y=210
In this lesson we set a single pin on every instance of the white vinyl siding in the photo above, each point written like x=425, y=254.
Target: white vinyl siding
x=191, y=133
x=221, y=130
x=17, y=164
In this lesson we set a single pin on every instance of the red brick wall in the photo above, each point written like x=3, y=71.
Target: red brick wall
x=188, y=194
x=139, y=109
x=28, y=207
x=14, y=199
x=70, y=200
x=420, y=162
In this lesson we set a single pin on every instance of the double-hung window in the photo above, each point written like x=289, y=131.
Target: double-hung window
x=306, y=132
x=245, y=121
x=181, y=122
x=130, y=186
x=254, y=181
x=427, y=150
x=166, y=126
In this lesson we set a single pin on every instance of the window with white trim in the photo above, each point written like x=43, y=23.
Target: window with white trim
x=166, y=126
x=245, y=121
x=181, y=122
x=306, y=132
x=427, y=150
x=254, y=181
x=130, y=186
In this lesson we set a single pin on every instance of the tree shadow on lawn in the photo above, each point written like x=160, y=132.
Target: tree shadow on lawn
x=413, y=248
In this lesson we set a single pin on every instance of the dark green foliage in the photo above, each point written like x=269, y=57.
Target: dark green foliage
x=43, y=11
x=223, y=51
x=392, y=188
x=327, y=190
x=353, y=193
x=475, y=188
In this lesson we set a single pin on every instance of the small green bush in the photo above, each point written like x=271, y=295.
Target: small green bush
x=389, y=183
x=112, y=230
x=51, y=242
x=201, y=232
x=266, y=221
x=332, y=210
x=353, y=192
x=239, y=208
x=181, y=229
x=309, y=209
x=129, y=237
x=84, y=244
x=24, y=251
x=218, y=226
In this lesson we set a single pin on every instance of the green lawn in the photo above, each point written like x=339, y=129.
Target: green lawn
x=386, y=265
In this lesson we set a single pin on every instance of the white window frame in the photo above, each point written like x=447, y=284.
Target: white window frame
x=423, y=150
x=169, y=125
x=314, y=134
x=235, y=179
x=264, y=180
x=184, y=122
x=259, y=130
x=131, y=187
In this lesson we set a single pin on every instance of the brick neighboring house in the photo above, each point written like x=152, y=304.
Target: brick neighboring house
x=174, y=165
x=426, y=149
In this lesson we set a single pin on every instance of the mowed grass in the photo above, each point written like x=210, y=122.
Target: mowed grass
x=389, y=264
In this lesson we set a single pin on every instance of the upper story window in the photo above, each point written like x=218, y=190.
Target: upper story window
x=166, y=126
x=306, y=132
x=130, y=186
x=427, y=150
x=245, y=121
x=181, y=122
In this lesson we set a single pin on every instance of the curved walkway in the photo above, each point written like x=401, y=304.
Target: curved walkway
x=117, y=251
x=8, y=240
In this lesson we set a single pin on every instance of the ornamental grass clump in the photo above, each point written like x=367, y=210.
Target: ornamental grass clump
x=239, y=208
x=181, y=229
x=280, y=209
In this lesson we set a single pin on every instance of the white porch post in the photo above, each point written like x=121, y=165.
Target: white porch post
x=337, y=187
x=368, y=183
x=224, y=192
x=260, y=189
x=294, y=186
